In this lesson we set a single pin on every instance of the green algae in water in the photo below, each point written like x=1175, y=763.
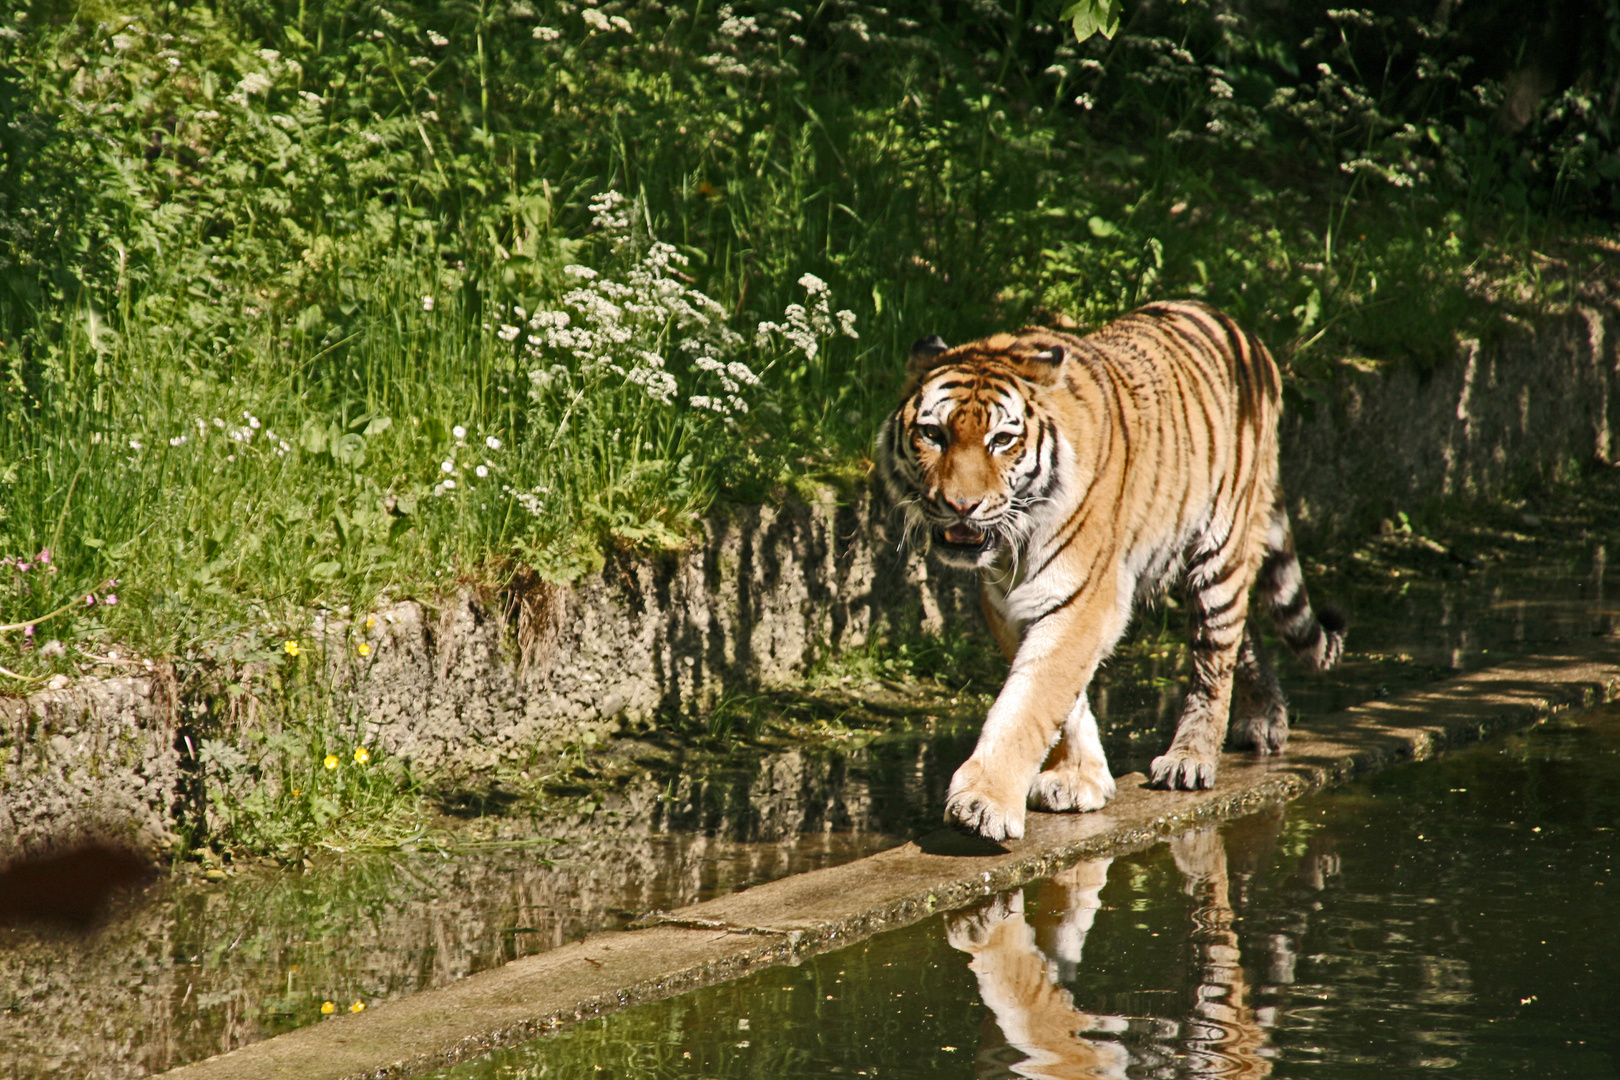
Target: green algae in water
x=1450, y=918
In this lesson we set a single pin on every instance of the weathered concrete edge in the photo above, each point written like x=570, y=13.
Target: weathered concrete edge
x=734, y=935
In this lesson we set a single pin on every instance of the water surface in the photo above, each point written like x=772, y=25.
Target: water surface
x=1453, y=917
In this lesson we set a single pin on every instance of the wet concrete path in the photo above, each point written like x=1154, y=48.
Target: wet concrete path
x=812, y=912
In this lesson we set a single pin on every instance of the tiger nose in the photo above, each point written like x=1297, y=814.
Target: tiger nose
x=962, y=507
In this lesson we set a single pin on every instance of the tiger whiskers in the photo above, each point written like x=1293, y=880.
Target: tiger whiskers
x=914, y=520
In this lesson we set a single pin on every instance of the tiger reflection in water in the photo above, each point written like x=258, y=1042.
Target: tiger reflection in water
x=1023, y=965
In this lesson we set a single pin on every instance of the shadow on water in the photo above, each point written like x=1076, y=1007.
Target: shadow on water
x=1453, y=917
x=189, y=968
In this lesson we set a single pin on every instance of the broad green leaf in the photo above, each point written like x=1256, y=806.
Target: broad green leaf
x=1092, y=17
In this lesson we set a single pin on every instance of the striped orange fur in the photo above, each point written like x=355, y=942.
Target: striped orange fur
x=1082, y=475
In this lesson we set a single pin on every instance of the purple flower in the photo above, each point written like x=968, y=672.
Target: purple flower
x=28, y=631
x=110, y=598
x=44, y=555
x=89, y=599
x=23, y=566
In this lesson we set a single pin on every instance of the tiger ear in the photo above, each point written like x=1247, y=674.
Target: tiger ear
x=924, y=351
x=1045, y=365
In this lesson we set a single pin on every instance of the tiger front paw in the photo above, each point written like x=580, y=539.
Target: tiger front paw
x=972, y=930
x=1180, y=770
x=971, y=805
x=1072, y=790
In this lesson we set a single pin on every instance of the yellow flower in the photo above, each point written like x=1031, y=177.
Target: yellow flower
x=328, y=1008
x=363, y=649
x=362, y=755
x=331, y=761
x=358, y=1006
x=371, y=620
x=296, y=792
x=290, y=648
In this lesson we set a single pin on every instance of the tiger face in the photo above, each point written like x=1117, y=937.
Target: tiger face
x=969, y=454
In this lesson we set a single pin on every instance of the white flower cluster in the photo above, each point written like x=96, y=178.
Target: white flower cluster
x=608, y=328
x=450, y=468
x=733, y=377
x=598, y=21
x=532, y=503
x=744, y=47
x=625, y=327
x=805, y=326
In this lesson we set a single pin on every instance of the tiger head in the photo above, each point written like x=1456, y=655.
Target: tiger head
x=973, y=452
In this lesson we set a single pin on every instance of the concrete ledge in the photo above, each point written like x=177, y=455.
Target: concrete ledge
x=789, y=919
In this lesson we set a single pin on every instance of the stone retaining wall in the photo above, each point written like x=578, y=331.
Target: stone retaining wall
x=767, y=592
x=1544, y=401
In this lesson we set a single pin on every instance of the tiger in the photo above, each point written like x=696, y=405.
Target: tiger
x=1083, y=476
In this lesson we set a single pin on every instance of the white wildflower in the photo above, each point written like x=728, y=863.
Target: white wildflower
x=596, y=20
x=449, y=485
x=459, y=432
x=135, y=444
x=492, y=442
x=447, y=466
x=481, y=471
x=427, y=303
x=437, y=38
x=123, y=42
x=254, y=82
x=546, y=33
x=178, y=440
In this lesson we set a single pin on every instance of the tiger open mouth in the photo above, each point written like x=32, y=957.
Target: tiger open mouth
x=962, y=535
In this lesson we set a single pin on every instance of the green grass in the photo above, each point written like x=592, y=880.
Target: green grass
x=227, y=403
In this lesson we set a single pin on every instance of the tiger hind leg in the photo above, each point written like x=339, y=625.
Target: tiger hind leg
x=1218, y=584
x=1259, y=709
x=1076, y=775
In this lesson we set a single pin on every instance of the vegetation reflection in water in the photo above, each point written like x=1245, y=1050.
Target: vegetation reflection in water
x=1447, y=918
